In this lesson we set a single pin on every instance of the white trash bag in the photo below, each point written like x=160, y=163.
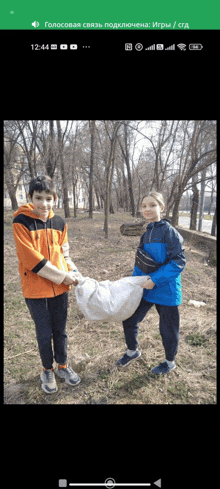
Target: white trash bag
x=107, y=300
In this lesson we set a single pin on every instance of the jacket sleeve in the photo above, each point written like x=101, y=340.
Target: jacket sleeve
x=65, y=250
x=69, y=262
x=32, y=259
x=176, y=257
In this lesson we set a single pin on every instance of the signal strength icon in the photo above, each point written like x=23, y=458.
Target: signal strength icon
x=170, y=48
x=151, y=48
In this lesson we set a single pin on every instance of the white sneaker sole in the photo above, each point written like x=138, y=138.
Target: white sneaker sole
x=45, y=387
x=62, y=376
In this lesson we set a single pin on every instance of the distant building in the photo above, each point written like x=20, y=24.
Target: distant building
x=82, y=197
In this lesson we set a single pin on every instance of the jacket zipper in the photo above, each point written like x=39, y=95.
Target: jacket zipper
x=49, y=256
x=151, y=233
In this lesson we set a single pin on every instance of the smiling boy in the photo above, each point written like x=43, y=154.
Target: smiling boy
x=47, y=273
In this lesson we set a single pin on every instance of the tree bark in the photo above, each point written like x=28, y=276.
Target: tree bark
x=125, y=153
x=214, y=222
x=63, y=173
x=50, y=163
x=108, y=170
x=92, y=132
x=194, y=207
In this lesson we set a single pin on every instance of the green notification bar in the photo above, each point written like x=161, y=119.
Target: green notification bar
x=111, y=15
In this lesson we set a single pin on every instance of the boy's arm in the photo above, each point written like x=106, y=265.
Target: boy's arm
x=69, y=262
x=32, y=259
x=50, y=272
x=65, y=250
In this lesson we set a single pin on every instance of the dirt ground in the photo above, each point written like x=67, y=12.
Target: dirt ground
x=95, y=347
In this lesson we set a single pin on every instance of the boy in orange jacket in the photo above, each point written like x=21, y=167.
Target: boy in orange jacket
x=47, y=274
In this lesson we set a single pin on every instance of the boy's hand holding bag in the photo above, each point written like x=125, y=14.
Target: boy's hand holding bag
x=72, y=278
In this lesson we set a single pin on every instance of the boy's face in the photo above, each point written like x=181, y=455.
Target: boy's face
x=43, y=203
x=150, y=209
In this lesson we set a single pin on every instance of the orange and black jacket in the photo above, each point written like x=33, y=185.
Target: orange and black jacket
x=43, y=253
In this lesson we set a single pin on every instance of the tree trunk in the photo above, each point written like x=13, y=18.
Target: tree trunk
x=74, y=174
x=50, y=165
x=194, y=207
x=108, y=172
x=175, y=215
x=63, y=173
x=214, y=222
x=11, y=188
x=74, y=196
x=202, y=197
x=129, y=173
x=125, y=153
x=92, y=131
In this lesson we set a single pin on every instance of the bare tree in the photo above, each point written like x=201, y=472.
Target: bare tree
x=63, y=170
x=51, y=158
x=167, y=134
x=112, y=137
x=191, y=162
x=92, y=132
x=13, y=161
x=194, y=203
x=174, y=156
x=125, y=152
x=214, y=222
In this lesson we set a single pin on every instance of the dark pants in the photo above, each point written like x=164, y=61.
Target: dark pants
x=169, y=327
x=50, y=317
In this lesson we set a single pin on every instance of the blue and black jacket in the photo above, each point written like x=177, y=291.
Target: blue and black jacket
x=163, y=243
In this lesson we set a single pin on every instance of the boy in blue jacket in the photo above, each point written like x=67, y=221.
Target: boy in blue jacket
x=164, y=244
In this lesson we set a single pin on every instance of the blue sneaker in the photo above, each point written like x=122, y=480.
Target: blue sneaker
x=163, y=368
x=126, y=359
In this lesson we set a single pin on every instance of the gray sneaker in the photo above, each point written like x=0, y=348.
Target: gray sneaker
x=68, y=375
x=48, y=381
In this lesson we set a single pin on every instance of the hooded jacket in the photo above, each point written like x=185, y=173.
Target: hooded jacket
x=163, y=242
x=43, y=253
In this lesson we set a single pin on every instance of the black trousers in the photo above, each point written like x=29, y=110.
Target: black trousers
x=50, y=317
x=168, y=325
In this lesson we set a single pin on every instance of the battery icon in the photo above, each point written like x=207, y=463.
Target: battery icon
x=195, y=47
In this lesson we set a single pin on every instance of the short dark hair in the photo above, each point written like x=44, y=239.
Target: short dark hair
x=42, y=183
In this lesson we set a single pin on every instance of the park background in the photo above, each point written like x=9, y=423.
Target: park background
x=101, y=170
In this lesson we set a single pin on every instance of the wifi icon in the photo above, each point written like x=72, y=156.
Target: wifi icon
x=182, y=47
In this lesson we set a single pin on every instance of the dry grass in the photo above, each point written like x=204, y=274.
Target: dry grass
x=94, y=347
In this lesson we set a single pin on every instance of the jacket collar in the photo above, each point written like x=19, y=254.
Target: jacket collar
x=158, y=223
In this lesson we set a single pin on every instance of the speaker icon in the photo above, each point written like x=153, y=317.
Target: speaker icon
x=35, y=24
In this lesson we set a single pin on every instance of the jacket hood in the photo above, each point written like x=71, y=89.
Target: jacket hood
x=158, y=223
x=27, y=209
